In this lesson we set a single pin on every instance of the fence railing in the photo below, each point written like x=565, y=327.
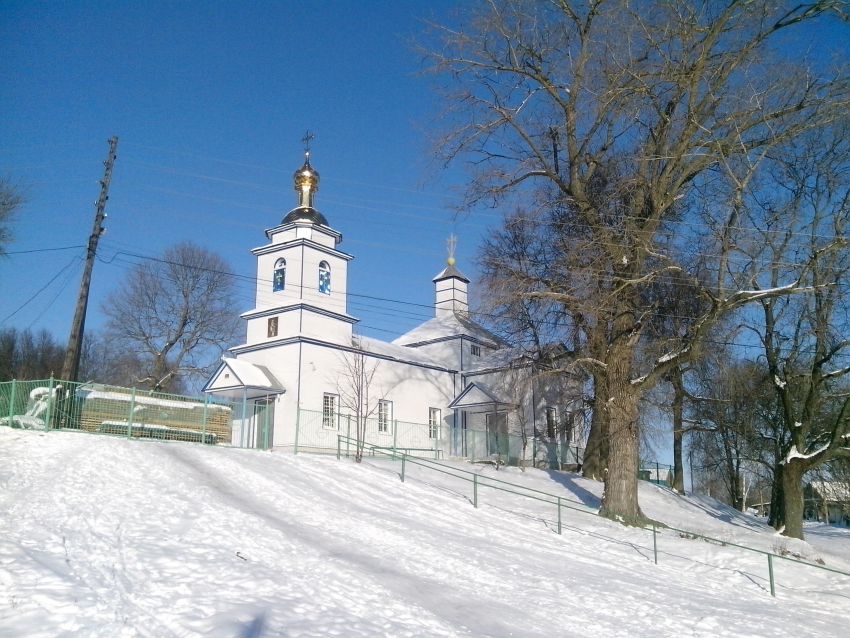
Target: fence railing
x=478, y=482
x=51, y=404
x=316, y=431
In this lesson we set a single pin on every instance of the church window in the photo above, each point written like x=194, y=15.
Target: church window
x=476, y=351
x=272, y=327
x=385, y=415
x=279, y=279
x=551, y=422
x=329, y=411
x=433, y=423
x=324, y=278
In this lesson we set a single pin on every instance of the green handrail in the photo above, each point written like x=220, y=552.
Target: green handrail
x=477, y=480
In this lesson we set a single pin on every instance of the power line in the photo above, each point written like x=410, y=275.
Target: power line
x=42, y=289
x=392, y=311
x=43, y=250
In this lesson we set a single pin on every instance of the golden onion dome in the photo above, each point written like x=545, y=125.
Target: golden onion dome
x=306, y=178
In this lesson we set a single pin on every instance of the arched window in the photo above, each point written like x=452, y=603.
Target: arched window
x=279, y=279
x=324, y=278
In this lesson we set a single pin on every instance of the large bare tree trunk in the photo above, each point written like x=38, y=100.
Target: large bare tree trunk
x=620, y=500
x=792, y=487
x=595, y=459
x=678, y=429
x=776, y=519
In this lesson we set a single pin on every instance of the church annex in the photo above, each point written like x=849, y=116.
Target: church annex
x=447, y=388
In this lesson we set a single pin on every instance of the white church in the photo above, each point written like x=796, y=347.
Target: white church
x=447, y=388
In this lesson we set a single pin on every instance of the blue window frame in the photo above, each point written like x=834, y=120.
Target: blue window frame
x=279, y=279
x=324, y=278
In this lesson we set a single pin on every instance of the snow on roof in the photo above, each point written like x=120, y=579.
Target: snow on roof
x=502, y=358
x=394, y=351
x=141, y=399
x=832, y=490
x=449, y=325
x=252, y=375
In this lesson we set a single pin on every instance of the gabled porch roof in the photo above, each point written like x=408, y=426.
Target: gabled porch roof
x=476, y=397
x=236, y=378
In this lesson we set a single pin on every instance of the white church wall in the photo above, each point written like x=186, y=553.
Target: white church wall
x=411, y=389
x=266, y=297
x=336, y=300
x=282, y=361
x=324, y=328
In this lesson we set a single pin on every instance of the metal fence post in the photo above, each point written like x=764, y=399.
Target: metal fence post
x=559, y=514
x=402, y=467
x=655, y=543
x=770, y=572
x=338, y=445
x=130, y=413
x=49, y=422
x=204, y=424
x=297, y=427
x=395, y=434
x=12, y=402
x=534, y=450
x=475, y=490
x=243, y=434
x=347, y=435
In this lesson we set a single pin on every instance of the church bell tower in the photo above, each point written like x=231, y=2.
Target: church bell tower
x=302, y=276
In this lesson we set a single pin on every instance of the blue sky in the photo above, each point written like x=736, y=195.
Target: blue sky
x=210, y=101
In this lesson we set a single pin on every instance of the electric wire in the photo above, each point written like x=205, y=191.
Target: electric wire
x=40, y=290
x=497, y=216
x=248, y=296
x=60, y=289
x=43, y=250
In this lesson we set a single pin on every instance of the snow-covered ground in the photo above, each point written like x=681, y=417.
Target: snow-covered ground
x=101, y=536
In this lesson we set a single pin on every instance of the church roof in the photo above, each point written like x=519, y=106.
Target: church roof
x=383, y=348
x=449, y=325
x=448, y=272
x=305, y=213
x=246, y=375
x=478, y=395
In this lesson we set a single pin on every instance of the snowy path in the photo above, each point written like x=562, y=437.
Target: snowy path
x=106, y=537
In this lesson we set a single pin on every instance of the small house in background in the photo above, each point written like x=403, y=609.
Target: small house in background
x=828, y=502
x=449, y=387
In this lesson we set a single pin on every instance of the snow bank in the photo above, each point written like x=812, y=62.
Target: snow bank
x=106, y=537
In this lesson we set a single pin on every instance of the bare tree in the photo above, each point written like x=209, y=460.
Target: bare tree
x=106, y=361
x=623, y=118
x=354, y=385
x=725, y=416
x=11, y=200
x=175, y=315
x=805, y=339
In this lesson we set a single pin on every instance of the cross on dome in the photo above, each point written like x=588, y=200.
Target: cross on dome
x=306, y=184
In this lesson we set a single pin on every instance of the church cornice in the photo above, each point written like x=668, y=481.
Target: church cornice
x=237, y=350
x=475, y=340
x=327, y=230
x=301, y=241
x=269, y=312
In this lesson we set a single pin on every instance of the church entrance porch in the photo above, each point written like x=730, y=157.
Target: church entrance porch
x=481, y=427
x=259, y=431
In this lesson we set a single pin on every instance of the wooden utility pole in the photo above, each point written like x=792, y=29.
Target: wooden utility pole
x=71, y=366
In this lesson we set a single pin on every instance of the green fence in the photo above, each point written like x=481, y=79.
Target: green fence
x=654, y=472
x=478, y=483
x=317, y=432
x=51, y=404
